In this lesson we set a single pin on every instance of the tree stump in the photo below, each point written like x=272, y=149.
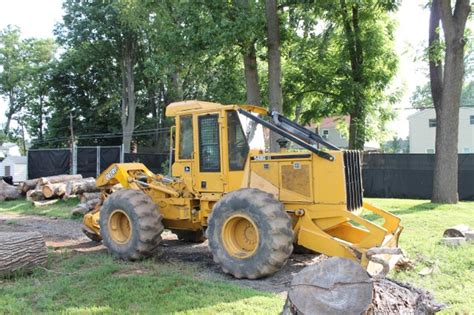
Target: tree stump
x=8, y=192
x=21, y=252
x=333, y=286
x=341, y=286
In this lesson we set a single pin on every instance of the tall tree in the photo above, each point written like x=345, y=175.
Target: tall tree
x=275, y=95
x=446, y=86
x=12, y=78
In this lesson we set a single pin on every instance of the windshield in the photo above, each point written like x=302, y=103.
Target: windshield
x=253, y=133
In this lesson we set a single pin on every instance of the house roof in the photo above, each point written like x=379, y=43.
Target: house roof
x=331, y=122
x=432, y=110
x=11, y=159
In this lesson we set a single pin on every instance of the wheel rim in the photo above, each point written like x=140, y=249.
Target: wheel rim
x=119, y=226
x=240, y=236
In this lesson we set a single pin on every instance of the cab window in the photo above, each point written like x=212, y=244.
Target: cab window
x=238, y=146
x=186, y=146
x=209, y=146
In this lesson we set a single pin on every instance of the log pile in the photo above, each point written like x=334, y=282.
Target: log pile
x=45, y=190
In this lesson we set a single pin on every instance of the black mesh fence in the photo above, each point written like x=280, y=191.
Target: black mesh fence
x=49, y=162
x=155, y=162
x=411, y=176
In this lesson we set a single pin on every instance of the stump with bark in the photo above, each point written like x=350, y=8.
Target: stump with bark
x=8, y=192
x=21, y=252
x=341, y=286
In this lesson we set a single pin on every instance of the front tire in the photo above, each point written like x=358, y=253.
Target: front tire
x=130, y=225
x=250, y=234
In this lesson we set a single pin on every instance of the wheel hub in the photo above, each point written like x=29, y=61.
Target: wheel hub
x=240, y=236
x=119, y=226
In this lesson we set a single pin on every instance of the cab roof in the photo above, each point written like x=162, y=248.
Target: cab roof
x=188, y=107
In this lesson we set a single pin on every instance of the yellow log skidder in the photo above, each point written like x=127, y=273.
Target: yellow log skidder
x=252, y=206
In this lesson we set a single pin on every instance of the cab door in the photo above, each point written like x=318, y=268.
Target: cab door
x=209, y=166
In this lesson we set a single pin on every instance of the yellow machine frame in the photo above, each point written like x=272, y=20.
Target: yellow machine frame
x=312, y=190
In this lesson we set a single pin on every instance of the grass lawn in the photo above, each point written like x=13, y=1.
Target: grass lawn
x=452, y=280
x=96, y=283
x=61, y=209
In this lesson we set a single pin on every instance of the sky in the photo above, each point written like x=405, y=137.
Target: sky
x=37, y=19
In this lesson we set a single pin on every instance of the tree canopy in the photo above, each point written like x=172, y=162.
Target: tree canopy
x=116, y=65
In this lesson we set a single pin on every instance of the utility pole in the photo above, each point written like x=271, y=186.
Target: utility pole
x=73, y=151
x=71, y=127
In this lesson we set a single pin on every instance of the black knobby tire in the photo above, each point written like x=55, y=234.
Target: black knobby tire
x=274, y=227
x=145, y=224
x=190, y=236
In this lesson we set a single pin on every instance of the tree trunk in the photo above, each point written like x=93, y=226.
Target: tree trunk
x=128, y=92
x=54, y=190
x=8, y=192
x=81, y=186
x=21, y=252
x=275, y=96
x=58, y=179
x=358, y=114
x=251, y=76
x=445, y=176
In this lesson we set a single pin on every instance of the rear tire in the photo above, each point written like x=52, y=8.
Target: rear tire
x=250, y=234
x=130, y=225
x=190, y=236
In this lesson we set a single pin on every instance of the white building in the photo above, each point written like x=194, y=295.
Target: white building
x=330, y=130
x=423, y=131
x=15, y=166
x=9, y=148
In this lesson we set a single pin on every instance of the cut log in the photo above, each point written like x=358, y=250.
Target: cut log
x=44, y=203
x=85, y=197
x=59, y=179
x=341, y=286
x=8, y=192
x=83, y=208
x=21, y=252
x=54, y=190
x=456, y=231
x=29, y=184
x=34, y=195
x=80, y=209
x=81, y=186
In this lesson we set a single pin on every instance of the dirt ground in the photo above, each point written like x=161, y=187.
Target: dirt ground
x=61, y=234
